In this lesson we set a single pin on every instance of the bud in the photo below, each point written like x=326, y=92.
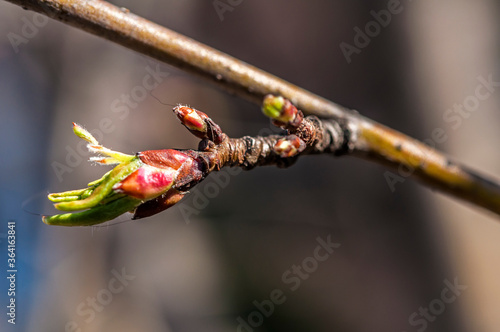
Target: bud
x=272, y=106
x=147, y=183
x=289, y=146
x=281, y=110
x=161, y=169
x=168, y=158
x=192, y=119
x=199, y=124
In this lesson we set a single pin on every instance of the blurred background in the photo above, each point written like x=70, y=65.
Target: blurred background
x=409, y=260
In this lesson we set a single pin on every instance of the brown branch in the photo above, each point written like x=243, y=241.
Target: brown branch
x=412, y=158
x=362, y=137
x=122, y=27
x=317, y=136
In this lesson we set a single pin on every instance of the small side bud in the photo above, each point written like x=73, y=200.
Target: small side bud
x=199, y=124
x=282, y=111
x=272, y=106
x=191, y=118
x=289, y=146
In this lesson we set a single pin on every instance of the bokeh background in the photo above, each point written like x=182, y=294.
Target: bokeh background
x=202, y=270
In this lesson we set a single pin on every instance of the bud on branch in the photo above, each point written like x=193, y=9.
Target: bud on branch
x=151, y=181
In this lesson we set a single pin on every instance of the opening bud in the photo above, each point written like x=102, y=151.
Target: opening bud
x=289, y=146
x=281, y=110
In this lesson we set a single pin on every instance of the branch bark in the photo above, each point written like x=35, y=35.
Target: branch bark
x=363, y=137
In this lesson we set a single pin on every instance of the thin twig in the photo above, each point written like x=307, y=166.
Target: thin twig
x=364, y=137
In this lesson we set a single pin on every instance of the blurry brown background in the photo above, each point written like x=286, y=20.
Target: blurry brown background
x=203, y=272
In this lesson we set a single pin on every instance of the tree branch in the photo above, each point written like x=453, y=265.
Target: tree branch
x=363, y=137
